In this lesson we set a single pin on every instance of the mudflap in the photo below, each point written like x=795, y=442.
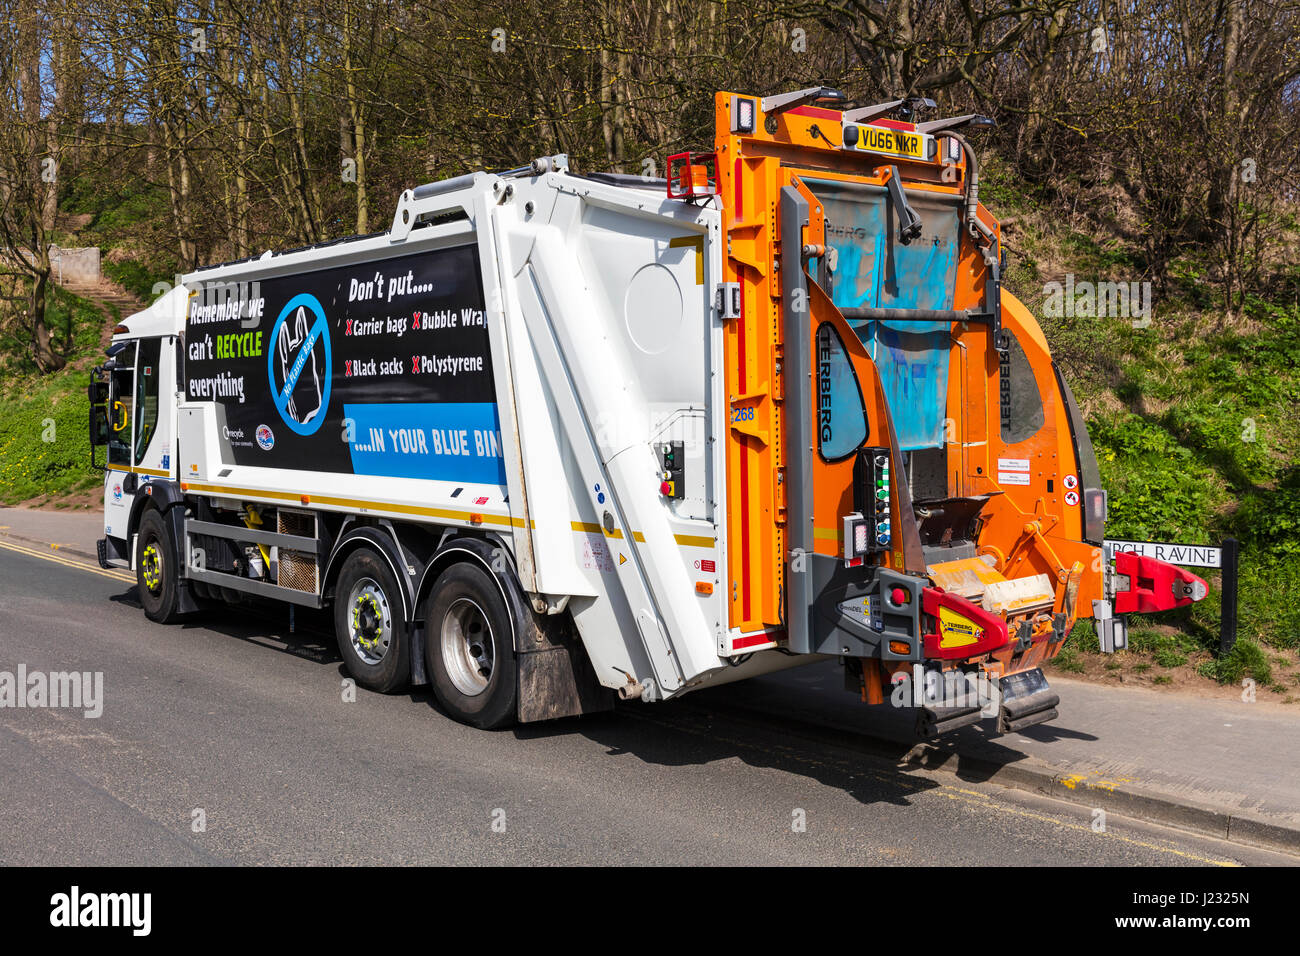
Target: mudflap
x=1026, y=700
x=555, y=675
x=947, y=700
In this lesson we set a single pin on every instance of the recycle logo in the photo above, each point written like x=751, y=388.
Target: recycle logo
x=298, y=365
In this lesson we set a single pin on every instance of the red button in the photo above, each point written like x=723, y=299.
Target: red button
x=665, y=489
x=898, y=596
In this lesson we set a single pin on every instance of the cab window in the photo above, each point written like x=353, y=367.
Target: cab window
x=120, y=398
x=146, y=395
x=841, y=415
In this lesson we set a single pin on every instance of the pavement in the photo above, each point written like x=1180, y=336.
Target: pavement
x=74, y=531
x=239, y=702
x=1230, y=768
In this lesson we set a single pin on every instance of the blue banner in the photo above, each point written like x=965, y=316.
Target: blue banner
x=445, y=441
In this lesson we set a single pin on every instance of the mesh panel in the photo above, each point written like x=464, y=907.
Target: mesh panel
x=296, y=522
x=297, y=569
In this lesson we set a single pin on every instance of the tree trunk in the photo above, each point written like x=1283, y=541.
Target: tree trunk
x=46, y=356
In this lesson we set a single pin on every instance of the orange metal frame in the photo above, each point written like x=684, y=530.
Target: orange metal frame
x=1029, y=529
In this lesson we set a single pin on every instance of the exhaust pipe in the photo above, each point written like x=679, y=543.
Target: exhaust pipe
x=633, y=689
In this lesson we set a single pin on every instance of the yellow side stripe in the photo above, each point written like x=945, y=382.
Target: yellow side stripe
x=592, y=528
x=131, y=469
x=686, y=540
x=450, y=514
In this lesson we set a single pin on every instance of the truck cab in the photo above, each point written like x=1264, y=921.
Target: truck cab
x=133, y=398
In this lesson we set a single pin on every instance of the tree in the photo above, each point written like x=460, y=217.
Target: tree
x=28, y=172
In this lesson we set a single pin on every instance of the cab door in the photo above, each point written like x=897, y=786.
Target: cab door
x=141, y=437
x=118, y=483
x=152, y=437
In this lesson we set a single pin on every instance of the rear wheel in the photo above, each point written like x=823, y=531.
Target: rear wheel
x=369, y=622
x=156, y=569
x=469, y=647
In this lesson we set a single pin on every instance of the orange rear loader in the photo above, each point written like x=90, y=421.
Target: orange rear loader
x=910, y=481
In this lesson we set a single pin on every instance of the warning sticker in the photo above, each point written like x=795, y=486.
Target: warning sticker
x=1013, y=464
x=595, y=553
x=1013, y=477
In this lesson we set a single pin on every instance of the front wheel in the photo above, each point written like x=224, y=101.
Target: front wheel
x=469, y=647
x=157, y=569
x=369, y=622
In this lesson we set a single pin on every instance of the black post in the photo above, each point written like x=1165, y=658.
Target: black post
x=1228, y=604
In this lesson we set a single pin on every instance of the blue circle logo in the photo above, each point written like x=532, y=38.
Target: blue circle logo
x=298, y=364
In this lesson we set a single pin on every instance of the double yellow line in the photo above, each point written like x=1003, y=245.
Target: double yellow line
x=68, y=562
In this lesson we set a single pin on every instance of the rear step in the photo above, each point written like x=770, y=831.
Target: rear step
x=1026, y=700
x=933, y=721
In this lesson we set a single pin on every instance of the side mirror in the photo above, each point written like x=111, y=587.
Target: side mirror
x=98, y=425
x=98, y=433
x=97, y=393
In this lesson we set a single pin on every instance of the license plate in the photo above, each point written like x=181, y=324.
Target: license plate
x=894, y=142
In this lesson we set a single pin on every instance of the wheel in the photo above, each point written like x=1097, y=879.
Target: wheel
x=372, y=630
x=469, y=647
x=157, y=569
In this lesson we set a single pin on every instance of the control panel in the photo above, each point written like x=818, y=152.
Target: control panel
x=872, y=492
x=672, y=469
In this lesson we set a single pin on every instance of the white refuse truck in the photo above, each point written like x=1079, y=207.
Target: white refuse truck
x=553, y=438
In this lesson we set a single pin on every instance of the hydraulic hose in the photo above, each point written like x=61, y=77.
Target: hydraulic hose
x=972, y=180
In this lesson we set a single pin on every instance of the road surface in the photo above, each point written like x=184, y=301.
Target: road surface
x=231, y=740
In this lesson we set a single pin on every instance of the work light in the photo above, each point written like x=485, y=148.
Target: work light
x=742, y=114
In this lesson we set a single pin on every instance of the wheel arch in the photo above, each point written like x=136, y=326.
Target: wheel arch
x=162, y=496
x=379, y=539
x=482, y=552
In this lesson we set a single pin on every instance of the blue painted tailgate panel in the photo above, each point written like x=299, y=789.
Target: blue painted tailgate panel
x=873, y=270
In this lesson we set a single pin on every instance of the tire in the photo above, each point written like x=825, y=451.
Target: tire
x=157, y=569
x=370, y=624
x=469, y=648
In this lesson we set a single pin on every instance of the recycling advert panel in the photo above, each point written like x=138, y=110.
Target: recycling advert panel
x=381, y=368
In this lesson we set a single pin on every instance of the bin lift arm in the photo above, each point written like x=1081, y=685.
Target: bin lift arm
x=1147, y=585
x=909, y=223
